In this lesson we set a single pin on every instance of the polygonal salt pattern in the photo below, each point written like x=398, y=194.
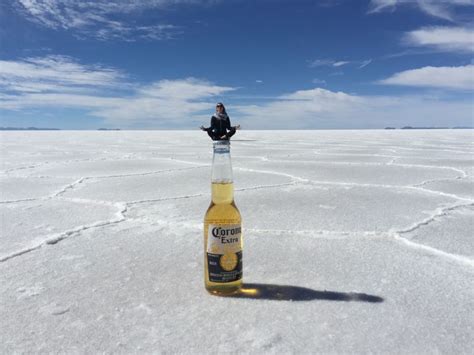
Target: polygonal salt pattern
x=21, y=188
x=451, y=232
x=29, y=224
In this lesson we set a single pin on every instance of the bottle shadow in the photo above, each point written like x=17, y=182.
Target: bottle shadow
x=296, y=293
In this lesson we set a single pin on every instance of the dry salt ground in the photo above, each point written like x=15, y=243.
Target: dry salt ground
x=355, y=242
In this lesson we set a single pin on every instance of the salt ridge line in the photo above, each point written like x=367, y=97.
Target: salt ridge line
x=53, y=239
x=85, y=178
x=386, y=236
x=438, y=180
x=206, y=194
x=433, y=251
x=309, y=181
x=57, y=237
x=36, y=165
x=122, y=175
x=322, y=234
x=355, y=184
x=316, y=152
x=439, y=212
x=390, y=147
x=397, y=235
x=265, y=172
x=433, y=149
x=86, y=160
x=20, y=200
x=372, y=164
x=58, y=194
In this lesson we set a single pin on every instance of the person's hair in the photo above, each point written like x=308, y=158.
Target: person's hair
x=223, y=107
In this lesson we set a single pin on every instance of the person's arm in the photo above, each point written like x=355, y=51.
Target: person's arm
x=227, y=123
x=213, y=123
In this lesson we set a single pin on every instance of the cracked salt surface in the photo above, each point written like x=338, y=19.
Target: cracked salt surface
x=31, y=224
x=453, y=232
x=27, y=188
x=368, y=232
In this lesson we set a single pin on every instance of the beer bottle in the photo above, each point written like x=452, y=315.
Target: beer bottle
x=222, y=228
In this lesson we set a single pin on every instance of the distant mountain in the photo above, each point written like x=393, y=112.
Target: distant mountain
x=27, y=129
x=410, y=127
x=108, y=129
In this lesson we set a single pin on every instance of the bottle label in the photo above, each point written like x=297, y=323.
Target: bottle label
x=224, y=252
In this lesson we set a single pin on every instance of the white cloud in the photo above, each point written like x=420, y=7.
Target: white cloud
x=364, y=63
x=443, y=38
x=164, y=103
x=58, y=81
x=318, y=81
x=319, y=108
x=53, y=72
x=338, y=63
x=102, y=19
x=437, y=8
x=259, y=81
x=436, y=77
x=327, y=62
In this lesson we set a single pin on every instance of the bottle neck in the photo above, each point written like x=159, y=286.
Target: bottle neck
x=222, y=179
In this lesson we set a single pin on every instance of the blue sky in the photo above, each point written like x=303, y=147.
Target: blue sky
x=276, y=64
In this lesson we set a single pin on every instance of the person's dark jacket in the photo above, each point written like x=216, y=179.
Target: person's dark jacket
x=220, y=127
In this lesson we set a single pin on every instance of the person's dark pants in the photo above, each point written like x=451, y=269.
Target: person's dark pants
x=227, y=135
x=211, y=134
x=230, y=133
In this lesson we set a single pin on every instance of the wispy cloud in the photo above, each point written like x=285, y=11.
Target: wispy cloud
x=58, y=81
x=101, y=19
x=327, y=63
x=364, y=63
x=62, y=82
x=459, y=39
x=318, y=81
x=54, y=72
x=461, y=78
x=443, y=9
x=166, y=103
x=329, y=3
x=338, y=63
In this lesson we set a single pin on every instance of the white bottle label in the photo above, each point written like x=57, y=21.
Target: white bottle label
x=224, y=238
x=224, y=252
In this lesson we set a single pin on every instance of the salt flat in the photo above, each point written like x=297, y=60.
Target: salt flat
x=355, y=241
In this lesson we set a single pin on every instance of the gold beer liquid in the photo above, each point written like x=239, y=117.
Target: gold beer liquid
x=222, y=230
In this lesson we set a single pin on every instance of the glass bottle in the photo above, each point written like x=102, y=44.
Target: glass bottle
x=222, y=228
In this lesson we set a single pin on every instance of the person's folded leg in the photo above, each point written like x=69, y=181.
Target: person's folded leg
x=230, y=133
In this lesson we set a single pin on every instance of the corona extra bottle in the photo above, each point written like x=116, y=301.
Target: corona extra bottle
x=222, y=228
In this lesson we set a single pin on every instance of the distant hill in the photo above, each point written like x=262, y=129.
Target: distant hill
x=27, y=129
x=410, y=127
x=46, y=129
